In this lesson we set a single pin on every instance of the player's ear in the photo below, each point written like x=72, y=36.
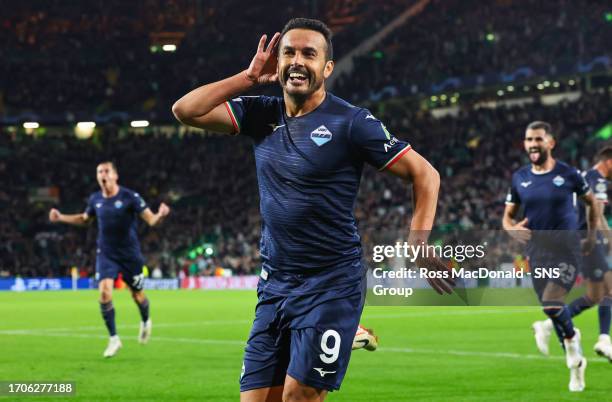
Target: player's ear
x=552, y=141
x=329, y=68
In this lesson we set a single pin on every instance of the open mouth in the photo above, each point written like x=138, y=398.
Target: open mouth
x=297, y=78
x=535, y=154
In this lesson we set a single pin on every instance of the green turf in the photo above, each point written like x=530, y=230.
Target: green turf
x=426, y=353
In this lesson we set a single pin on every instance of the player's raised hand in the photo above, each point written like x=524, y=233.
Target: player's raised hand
x=262, y=69
x=442, y=280
x=163, y=210
x=520, y=232
x=54, y=215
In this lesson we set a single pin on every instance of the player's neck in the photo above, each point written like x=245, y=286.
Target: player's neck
x=544, y=167
x=295, y=107
x=110, y=191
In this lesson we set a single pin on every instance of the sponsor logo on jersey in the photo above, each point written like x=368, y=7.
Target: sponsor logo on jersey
x=275, y=126
x=526, y=183
x=323, y=372
x=558, y=181
x=118, y=204
x=321, y=136
x=601, y=187
x=370, y=117
x=390, y=144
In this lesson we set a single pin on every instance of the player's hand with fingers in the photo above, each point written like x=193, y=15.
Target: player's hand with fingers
x=163, y=210
x=54, y=215
x=442, y=280
x=262, y=69
x=520, y=232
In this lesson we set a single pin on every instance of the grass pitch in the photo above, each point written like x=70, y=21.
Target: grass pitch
x=195, y=354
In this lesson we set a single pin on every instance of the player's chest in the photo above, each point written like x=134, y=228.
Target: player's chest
x=307, y=149
x=550, y=188
x=113, y=209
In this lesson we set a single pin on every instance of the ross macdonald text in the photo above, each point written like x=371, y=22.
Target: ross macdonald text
x=480, y=273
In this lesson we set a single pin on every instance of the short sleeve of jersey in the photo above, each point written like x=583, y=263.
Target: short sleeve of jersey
x=582, y=187
x=598, y=186
x=513, y=197
x=251, y=115
x=138, y=202
x=374, y=142
x=90, y=210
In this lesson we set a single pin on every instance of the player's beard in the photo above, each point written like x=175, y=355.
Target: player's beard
x=538, y=156
x=300, y=95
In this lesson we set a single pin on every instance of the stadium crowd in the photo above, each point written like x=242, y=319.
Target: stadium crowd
x=210, y=182
x=76, y=60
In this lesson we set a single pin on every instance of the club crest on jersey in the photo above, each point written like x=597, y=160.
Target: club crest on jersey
x=98, y=205
x=118, y=204
x=558, y=181
x=321, y=136
x=526, y=183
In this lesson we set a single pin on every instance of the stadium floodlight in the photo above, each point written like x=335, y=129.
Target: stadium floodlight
x=546, y=83
x=209, y=251
x=139, y=123
x=540, y=87
x=434, y=98
x=500, y=93
x=556, y=84
x=84, y=129
x=443, y=97
x=510, y=88
x=526, y=88
x=169, y=48
x=571, y=82
x=490, y=37
x=31, y=125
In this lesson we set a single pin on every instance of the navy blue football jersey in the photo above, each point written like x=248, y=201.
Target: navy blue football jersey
x=117, y=223
x=599, y=187
x=548, y=198
x=308, y=171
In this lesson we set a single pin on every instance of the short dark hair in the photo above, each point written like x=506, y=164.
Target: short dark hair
x=313, y=25
x=540, y=125
x=109, y=162
x=604, y=154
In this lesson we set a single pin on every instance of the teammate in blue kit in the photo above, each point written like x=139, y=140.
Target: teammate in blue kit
x=310, y=148
x=595, y=267
x=116, y=209
x=545, y=189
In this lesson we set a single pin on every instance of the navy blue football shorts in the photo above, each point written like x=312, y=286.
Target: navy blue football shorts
x=308, y=337
x=131, y=270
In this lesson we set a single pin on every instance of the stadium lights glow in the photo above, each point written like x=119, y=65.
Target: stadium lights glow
x=434, y=98
x=540, y=87
x=510, y=88
x=209, y=251
x=86, y=124
x=169, y=48
x=526, y=88
x=490, y=37
x=556, y=84
x=139, y=123
x=500, y=93
x=546, y=83
x=571, y=82
x=443, y=97
x=84, y=129
x=31, y=125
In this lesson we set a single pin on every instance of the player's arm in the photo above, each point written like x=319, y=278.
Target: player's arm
x=593, y=212
x=425, y=186
x=155, y=219
x=411, y=166
x=204, y=107
x=81, y=219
